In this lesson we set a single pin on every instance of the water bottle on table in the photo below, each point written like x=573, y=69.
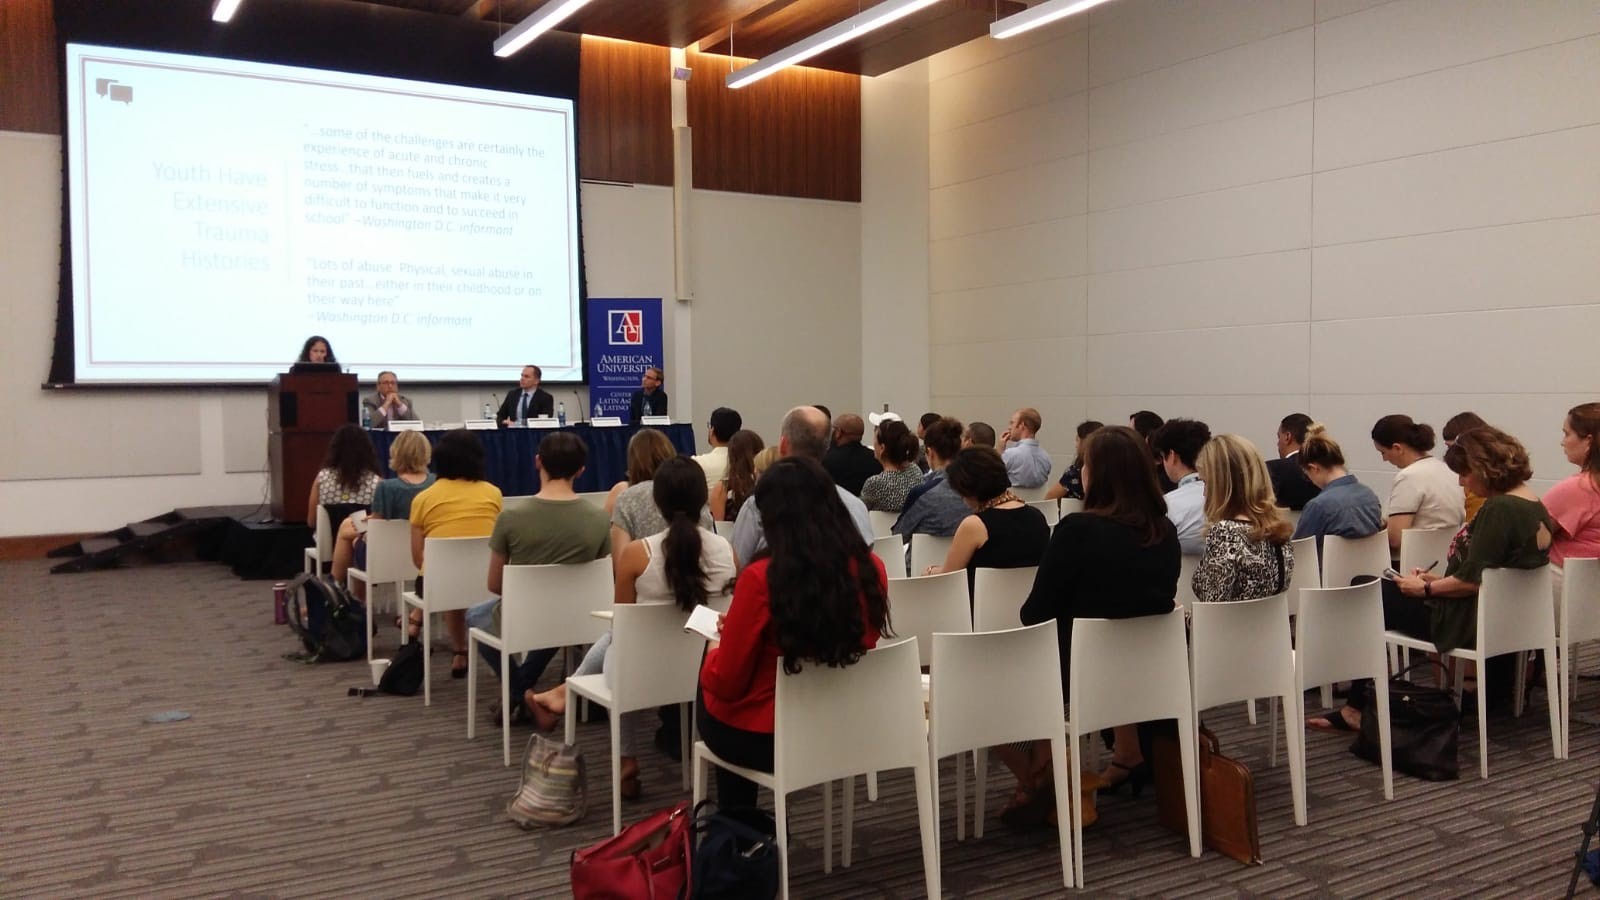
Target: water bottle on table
x=561, y=414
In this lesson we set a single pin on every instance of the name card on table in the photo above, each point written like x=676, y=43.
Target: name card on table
x=656, y=420
x=605, y=422
x=482, y=424
x=543, y=422
x=405, y=424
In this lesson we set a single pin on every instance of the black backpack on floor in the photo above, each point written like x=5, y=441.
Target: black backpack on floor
x=328, y=620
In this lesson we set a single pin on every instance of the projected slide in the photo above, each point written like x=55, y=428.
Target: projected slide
x=221, y=211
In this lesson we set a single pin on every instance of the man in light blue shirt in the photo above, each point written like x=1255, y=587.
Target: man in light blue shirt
x=804, y=432
x=1178, y=444
x=1027, y=465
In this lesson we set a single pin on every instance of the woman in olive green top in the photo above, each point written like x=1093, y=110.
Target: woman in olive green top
x=1512, y=530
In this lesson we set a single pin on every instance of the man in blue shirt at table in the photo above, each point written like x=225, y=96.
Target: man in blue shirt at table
x=1027, y=465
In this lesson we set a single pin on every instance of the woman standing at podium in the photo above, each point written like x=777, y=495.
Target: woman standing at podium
x=316, y=350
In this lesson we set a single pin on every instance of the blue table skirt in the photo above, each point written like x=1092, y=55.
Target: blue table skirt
x=508, y=454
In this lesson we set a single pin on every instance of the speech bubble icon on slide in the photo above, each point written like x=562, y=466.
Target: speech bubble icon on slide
x=122, y=93
x=100, y=85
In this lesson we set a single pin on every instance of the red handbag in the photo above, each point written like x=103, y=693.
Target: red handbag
x=649, y=860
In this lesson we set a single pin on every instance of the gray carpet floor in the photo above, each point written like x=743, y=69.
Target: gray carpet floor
x=279, y=784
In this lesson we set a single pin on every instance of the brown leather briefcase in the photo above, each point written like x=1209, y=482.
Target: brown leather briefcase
x=1227, y=798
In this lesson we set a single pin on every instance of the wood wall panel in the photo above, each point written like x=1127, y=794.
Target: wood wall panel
x=794, y=134
x=30, y=88
x=625, y=112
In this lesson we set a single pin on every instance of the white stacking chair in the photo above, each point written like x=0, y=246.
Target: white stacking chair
x=925, y=604
x=1578, y=622
x=321, y=552
x=1240, y=651
x=1106, y=691
x=1069, y=506
x=515, y=501
x=598, y=498
x=1185, y=598
x=724, y=529
x=1513, y=616
x=1424, y=547
x=388, y=562
x=998, y=595
x=882, y=522
x=1307, y=574
x=1050, y=508
x=1344, y=559
x=892, y=550
x=540, y=606
x=1291, y=515
x=1339, y=637
x=928, y=550
x=834, y=723
x=653, y=662
x=970, y=671
x=457, y=577
x=1029, y=495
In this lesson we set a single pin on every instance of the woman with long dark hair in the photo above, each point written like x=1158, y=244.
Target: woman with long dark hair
x=348, y=476
x=816, y=594
x=740, y=481
x=686, y=565
x=896, y=448
x=316, y=349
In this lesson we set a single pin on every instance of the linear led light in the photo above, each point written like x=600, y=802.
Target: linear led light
x=223, y=10
x=541, y=20
x=1035, y=16
x=848, y=30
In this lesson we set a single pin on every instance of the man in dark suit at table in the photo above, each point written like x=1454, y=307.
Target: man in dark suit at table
x=528, y=401
x=1289, y=481
x=649, y=399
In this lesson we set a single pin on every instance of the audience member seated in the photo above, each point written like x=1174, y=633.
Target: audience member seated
x=388, y=404
x=978, y=434
x=736, y=486
x=348, y=476
x=764, y=461
x=803, y=433
x=1146, y=422
x=1452, y=429
x=848, y=461
x=720, y=429
x=1070, y=487
x=637, y=515
x=1426, y=494
x=1574, y=502
x=927, y=420
x=459, y=504
x=554, y=527
x=1003, y=532
x=1343, y=506
x=647, y=450
x=408, y=457
x=1512, y=531
x=1247, y=554
x=1117, y=559
x=934, y=507
x=896, y=451
x=1177, y=446
x=816, y=595
x=1289, y=482
x=1026, y=462
x=685, y=564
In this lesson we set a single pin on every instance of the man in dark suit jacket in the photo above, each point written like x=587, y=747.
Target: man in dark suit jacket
x=649, y=399
x=849, y=461
x=516, y=410
x=1289, y=481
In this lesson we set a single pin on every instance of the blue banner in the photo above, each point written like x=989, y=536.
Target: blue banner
x=624, y=339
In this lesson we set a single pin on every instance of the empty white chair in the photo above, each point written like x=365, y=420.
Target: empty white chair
x=1241, y=650
x=920, y=606
x=458, y=574
x=1070, y=506
x=1186, y=567
x=1422, y=548
x=882, y=522
x=540, y=606
x=322, y=550
x=388, y=563
x=892, y=550
x=1579, y=622
x=837, y=723
x=653, y=662
x=1029, y=495
x=1513, y=616
x=1307, y=574
x=1346, y=558
x=1050, y=508
x=725, y=529
x=1107, y=691
x=928, y=550
x=1339, y=637
x=970, y=672
x=998, y=595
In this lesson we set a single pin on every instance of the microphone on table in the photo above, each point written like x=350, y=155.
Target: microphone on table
x=577, y=402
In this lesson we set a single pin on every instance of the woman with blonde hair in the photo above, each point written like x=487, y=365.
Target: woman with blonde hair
x=1247, y=554
x=1343, y=506
x=765, y=459
x=391, y=499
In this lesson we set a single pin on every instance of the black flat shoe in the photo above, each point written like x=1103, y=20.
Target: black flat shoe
x=461, y=670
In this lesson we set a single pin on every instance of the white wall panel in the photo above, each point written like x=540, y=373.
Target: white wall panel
x=1257, y=359
x=1038, y=193
x=1332, y=9
x=1023, y=138
x=1260, y=218
x=1052, y=308
x=1036, y=75
x=1153, y=34
x=1039, y=366
x=1009, y=256
x=1264, y=288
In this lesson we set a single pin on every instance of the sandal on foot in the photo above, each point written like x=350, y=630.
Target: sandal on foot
x=461, y=670
x=1034, y=811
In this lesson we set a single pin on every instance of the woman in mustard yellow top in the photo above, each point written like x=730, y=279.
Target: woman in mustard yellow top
x=460, y=504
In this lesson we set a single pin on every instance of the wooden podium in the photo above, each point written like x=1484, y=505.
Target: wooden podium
x=303, y=412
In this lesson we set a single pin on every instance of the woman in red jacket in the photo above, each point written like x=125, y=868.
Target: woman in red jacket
x=815, y=594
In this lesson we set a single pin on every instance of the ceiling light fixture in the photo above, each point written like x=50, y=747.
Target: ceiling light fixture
x=1036, y=16
x=541, y=20
x=223, y=10
x=848, y=30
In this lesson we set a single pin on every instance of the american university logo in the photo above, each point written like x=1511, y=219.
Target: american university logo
x=626, y=327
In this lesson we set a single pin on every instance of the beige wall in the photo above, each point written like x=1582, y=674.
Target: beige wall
x=1238, y=210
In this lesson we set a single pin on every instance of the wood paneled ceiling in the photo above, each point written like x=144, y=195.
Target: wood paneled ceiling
x=753, y=28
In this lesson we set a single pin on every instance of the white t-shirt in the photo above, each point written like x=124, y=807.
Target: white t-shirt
x=715, y=464
x=1428, y=490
